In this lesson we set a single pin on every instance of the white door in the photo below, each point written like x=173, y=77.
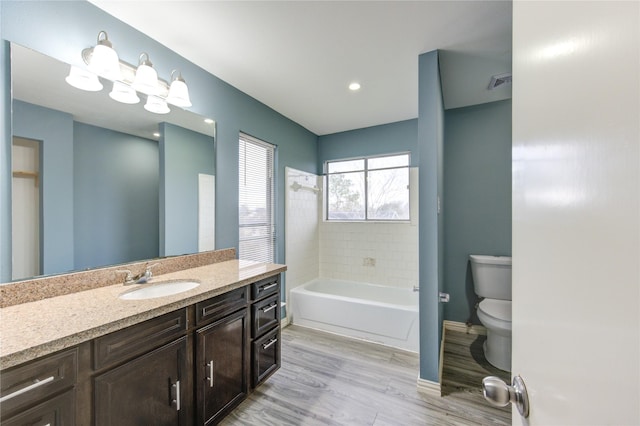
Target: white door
x=25, y=205
x=576, y=217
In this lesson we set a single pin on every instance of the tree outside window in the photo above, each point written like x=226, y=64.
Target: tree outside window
x=372, y=188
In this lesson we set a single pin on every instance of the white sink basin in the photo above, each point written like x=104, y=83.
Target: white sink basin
x=159, y=290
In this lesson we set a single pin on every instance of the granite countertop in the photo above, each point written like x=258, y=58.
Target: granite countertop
x=30, y=330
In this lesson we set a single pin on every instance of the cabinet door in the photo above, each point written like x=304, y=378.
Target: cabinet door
x=148, y=390
x=222, y=367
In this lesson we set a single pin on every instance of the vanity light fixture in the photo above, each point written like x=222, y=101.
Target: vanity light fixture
x=83, y=79
x=178, y=91
x=102, y=59
x=124, y=93
x=146, y=80
x=157, y=105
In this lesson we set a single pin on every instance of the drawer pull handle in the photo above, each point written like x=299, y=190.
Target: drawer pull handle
x=269, y=343
x=210, y=376
x=268, y=287
x=175, y=388
x=269, y=308
x=36, y=384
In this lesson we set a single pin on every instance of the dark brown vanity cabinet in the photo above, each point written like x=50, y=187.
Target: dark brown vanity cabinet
x=144, y=375
x=148, y=390
x=265, y=330
x=40, y=392
x=221, y=356
x=192, y=366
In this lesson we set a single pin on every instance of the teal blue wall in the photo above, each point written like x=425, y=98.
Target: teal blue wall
x=477, y=209
x=55, y=130
x=183, y=155
x=61, y=29
x=430, y=146
x=116, y=178
x=376, y=140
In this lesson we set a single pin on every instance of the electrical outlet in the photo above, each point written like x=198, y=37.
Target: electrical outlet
x=368, y=261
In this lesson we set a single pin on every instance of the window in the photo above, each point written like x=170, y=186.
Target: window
x=373, y=188
x=256, y=196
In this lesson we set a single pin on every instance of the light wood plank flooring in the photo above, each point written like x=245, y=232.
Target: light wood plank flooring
x=331, y=380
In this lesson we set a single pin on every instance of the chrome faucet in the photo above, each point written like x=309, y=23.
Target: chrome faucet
x=141, y=278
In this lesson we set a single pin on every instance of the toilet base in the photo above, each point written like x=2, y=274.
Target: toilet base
x=497, y=350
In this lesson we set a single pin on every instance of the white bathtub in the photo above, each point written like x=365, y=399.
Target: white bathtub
x=381, y=314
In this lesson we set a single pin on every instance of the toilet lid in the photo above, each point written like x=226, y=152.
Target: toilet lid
x=499, y=309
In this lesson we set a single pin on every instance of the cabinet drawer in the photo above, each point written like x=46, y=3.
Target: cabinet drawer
x=138, y=339
x=266, y=356
x=31, y=383
x=265, y=287
x=219, y=306
x=265, y=314
x=58, y=411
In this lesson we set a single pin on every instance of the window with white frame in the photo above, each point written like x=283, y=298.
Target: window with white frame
x=256, y=200
x=368, y=188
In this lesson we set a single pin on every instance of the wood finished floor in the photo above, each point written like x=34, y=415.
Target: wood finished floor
x=331, y=380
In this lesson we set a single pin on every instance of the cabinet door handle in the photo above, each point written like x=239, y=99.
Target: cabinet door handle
x=269, y=308
x=269, y=343
x=176, y=392
x=210, y=376
x=36, y=384
x=268, y=287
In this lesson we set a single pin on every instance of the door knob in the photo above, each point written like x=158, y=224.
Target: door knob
x=498, y=393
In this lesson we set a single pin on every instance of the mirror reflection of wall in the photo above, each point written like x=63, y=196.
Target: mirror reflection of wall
x=25, y=203
x=100, y=183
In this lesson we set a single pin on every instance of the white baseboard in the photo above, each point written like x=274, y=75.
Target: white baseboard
x=464, y=328
x=429, y=388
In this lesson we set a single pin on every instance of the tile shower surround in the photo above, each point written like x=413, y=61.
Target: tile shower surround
x=329, y=249
x=393, y=246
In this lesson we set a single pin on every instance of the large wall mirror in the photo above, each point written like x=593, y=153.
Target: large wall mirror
x=96, y=182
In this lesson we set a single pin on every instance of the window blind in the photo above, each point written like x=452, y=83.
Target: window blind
x=256, y=200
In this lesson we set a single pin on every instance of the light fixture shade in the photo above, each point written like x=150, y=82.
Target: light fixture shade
x=124, y=93
x=156, y=105
x=104, y=59
x=83, y=80
x=179, y=92
x=146, y=80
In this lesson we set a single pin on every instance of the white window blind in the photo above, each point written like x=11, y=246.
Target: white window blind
x=256, y=193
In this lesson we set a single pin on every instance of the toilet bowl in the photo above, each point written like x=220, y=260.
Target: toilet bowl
x=495, y=315
x=492, y=282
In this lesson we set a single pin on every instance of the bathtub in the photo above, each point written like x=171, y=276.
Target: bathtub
x=380, y=314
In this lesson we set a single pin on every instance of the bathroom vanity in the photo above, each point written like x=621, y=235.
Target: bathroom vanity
x=183, y=359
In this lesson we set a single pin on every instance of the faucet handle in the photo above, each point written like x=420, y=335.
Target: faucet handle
x=147, y=271
x=128, y=278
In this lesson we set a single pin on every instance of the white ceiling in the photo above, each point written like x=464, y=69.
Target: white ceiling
x=298, y=57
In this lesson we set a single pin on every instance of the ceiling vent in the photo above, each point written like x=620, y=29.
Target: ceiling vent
x=500, y=80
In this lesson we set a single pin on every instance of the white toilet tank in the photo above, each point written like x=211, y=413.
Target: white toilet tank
x=491, y=276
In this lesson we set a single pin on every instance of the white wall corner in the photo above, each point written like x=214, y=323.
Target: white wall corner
x=285, y=322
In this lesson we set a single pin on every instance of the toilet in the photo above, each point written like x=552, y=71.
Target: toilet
x=492, y=282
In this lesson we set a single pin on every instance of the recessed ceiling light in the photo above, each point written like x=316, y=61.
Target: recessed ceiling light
x=156, y=134
x=208, y=121
x=354, y=86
